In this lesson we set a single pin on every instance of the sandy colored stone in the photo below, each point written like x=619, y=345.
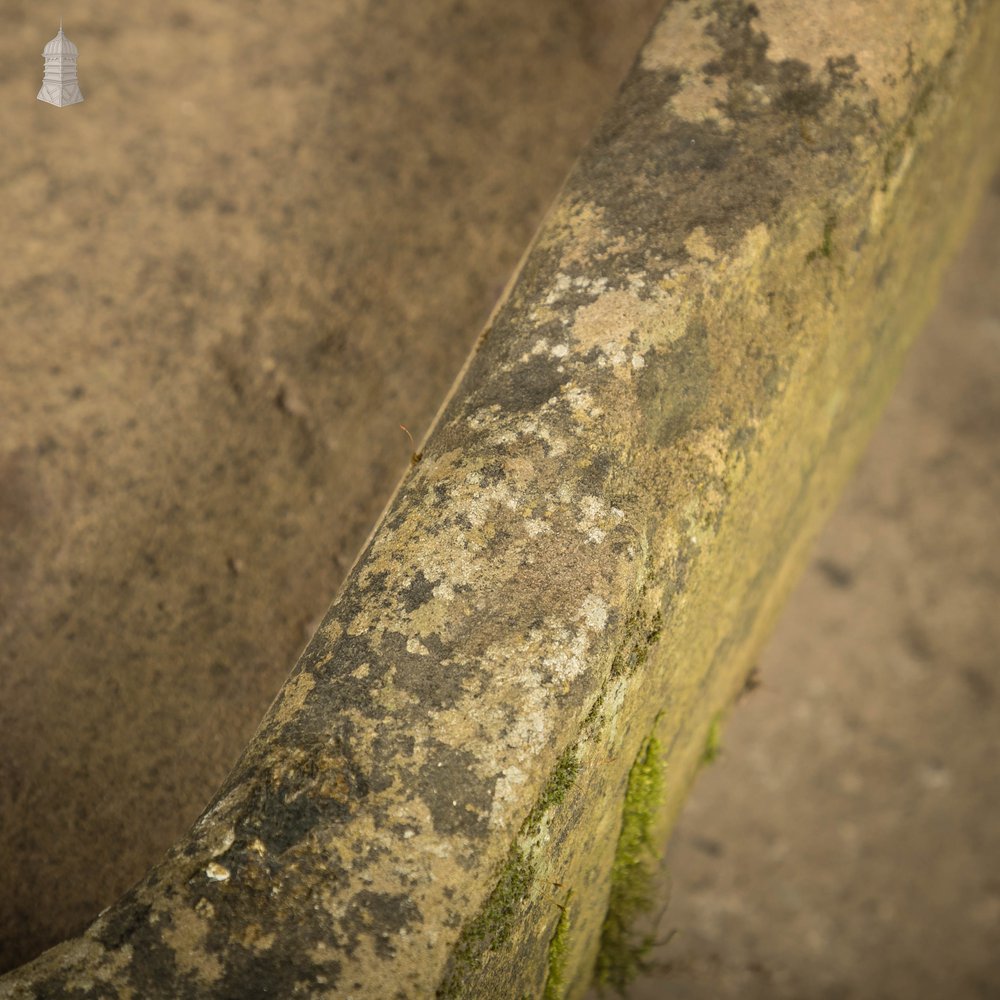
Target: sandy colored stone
x=266, y=239
x=400, y=825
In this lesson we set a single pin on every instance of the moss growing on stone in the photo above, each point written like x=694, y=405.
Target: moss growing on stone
x=492, y=927
x=825, y=249
x=713, y=740
x=641, y=632
x=555, y=977
x=621, y=955
x=563, y=776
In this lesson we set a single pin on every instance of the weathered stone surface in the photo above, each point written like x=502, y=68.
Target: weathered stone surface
x=571, y=582
x=212, y=328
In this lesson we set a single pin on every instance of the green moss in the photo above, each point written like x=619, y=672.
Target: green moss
x=592, y=723
x=825, y=249
x=641, y=632
x=563, y=776
x=493, y=926
x=713, y=740
x=555, y=978
x=621, y=955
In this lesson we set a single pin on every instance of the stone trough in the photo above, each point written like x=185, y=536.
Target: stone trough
x=462, y=787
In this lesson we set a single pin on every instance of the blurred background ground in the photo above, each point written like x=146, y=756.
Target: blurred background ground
x=267, y=237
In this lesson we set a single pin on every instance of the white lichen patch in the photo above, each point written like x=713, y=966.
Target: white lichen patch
x=595, y=518
x=415, y=646
x=217, y=872
x=536, y=526
x=484, y=415
x=506, y=794
x=560, y=287
x=621, y=325
x=479, y=508
x=582, y=406
x=581, y=284
x=594, y=612
x=537, y=428
x=566, y=661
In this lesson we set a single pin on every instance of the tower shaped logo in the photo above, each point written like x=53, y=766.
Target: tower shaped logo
x=60, y=86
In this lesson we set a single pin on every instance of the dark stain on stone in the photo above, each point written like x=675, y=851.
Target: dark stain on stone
x=381, y=915
x=417, y=592
x=388, y=747
x=525, y=388
x=158, y=962
x=436, y=683
x=278, y=972
x=674, y=385
x=55, y=986
x=462, y=521
x=493, y=472
x=799, y=94
x=594, y=477
x=120, y=922
x=647, y=163
x=311, y=786
x=448, y=785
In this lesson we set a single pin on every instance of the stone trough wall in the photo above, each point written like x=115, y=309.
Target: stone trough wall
x=461, y=788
